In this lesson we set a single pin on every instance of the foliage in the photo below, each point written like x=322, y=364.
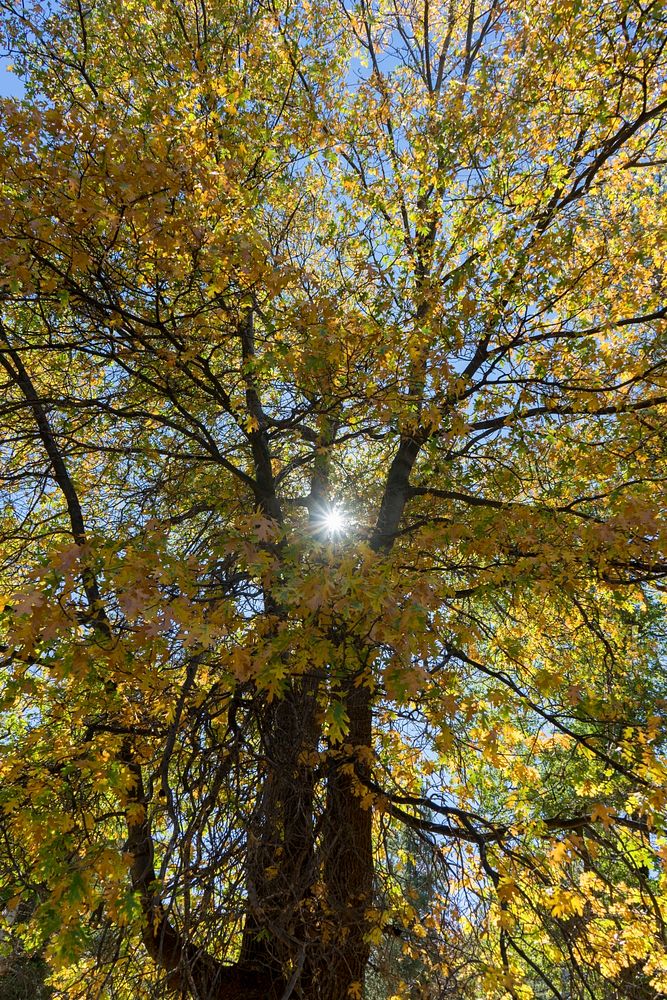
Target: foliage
x=332, y=344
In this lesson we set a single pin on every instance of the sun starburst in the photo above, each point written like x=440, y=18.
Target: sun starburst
x=330, y=522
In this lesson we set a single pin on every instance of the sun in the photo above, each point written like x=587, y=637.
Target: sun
x=334, y=521
x=330, y=521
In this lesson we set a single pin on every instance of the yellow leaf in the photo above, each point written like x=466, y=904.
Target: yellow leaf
x=602, y=814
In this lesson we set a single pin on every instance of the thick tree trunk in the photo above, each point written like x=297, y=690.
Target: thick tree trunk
x=287, y=948
x=282, y=866
x=348, y=856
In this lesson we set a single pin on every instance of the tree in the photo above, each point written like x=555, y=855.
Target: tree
x=332, y=344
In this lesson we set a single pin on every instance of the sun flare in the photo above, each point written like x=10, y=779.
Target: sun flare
x=332, y=521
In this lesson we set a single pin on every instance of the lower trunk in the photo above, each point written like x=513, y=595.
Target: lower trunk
x=298, y=941
x=193, y=973
x=281, y=857
x=348, y=857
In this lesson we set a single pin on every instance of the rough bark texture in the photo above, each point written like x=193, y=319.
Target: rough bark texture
x=281, y=866
x=348, y=852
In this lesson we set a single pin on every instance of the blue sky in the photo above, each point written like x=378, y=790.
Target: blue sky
x=10, y=85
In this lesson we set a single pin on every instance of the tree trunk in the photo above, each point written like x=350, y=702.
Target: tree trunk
x=282, y=865
x=348, y=857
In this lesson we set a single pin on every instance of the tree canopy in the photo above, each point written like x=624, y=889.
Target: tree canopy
x=332, y=537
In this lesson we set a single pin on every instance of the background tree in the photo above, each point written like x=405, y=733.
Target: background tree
x=332, y=346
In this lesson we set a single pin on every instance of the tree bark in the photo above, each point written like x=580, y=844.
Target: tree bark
x=348, y=855
x=282, y=865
